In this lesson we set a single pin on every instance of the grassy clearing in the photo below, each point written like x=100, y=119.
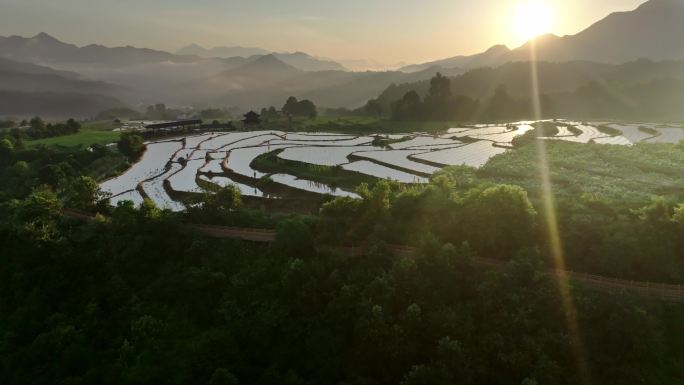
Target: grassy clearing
x=624, y=175
x=90, y=133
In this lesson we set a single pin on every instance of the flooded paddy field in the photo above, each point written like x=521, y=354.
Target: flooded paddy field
x=198, y=164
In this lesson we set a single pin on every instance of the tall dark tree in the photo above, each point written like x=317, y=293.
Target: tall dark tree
x=73, y=126
x=303, y=108
x=373, y=108
x=131, y=145
x=501, y=106
x=440, y=87
x=410, y=107
x=83, y=193
x=290, y=106
x=307, y=108
x=37, y=123
x=6, y=150
x=439, y=104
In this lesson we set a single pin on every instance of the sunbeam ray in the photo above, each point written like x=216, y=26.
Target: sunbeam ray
x=555, y=243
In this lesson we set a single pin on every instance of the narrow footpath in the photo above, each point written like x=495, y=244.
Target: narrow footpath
x=655, y=291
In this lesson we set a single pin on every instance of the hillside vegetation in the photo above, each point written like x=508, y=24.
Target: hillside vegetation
x=642, y=90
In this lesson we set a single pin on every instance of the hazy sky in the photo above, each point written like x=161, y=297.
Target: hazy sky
x=386, y=31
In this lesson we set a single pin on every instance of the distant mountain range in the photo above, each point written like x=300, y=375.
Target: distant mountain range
x=653, y=31
x=298, y=60
x=492, y=57
x=195, y=76
x=269, y=81
x=307, y=62
x=47, y=50
x=224, y=52
x=135, y=76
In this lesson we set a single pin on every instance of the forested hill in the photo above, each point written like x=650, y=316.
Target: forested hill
x=553, y=78
x=641, y=89
x=27, y=89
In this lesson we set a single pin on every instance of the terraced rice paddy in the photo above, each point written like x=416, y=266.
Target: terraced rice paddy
x=155, y=190
x=423, y=142
x=322, y=156
x=222, y=181
x=183, y=154
x=398, y=158
x=239, y=160
x=242, y=139
x=317, y=137
x=564, y=131
x=201, y=163
x=506, y=136
x=631, y=132
x=194, y=141
x=383, y=172
x=184, y=180
x=152, y=163
x=310, y=186
x=668, y=135
x=614, y=140
x=475, y=132
x=325, y=143
x=588, y=133
x=474, y=154
x=214, y=166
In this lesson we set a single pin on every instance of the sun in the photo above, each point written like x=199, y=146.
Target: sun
x=532, y=18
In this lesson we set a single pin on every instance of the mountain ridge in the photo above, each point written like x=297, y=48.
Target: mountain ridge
x=653, y=30
x=300, y=60
x=485, y=58
x=45, y=49
x=221, y=52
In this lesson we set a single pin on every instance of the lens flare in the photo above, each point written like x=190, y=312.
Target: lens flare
x=555, y=243
x=532, y=19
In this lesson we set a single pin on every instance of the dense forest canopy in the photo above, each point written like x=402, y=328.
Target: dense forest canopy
x=136, y=296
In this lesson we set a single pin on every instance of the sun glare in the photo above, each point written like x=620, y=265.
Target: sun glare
x=531, y=19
